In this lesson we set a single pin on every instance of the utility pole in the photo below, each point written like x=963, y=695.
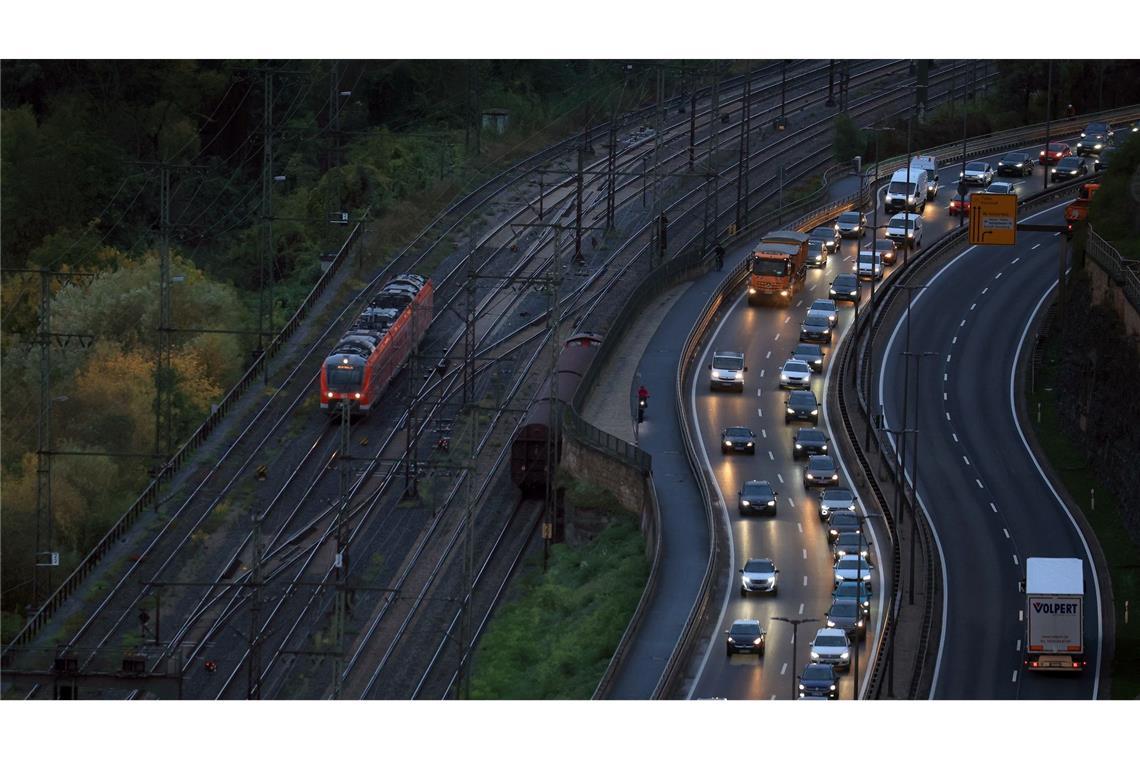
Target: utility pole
x=714, y=148
x=465, y=626
x=340, y=562
x=411, y=439
x=253, y=683
x=163, y=379
x=553, y=319
x=1048, y=122
x=796, y=623
x=830, y=83
x=469, y=319
x=578, y=258
x=742, y=160
x=265, y=301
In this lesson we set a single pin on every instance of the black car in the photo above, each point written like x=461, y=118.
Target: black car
x=859, y=592
x=817, y=256
x=850, y=543
x=745, y=636
x=846, y=615
x=1096, y=137
x=851, y=224
x=821, y=471
x=826, y=236
x=738, y=439
x=846, y=287
x=816, y=329
x=841, y=522
x=1101, y=162
x=1069, y=167
x=756, y=497
x=808, y=441
x=1015, y=164
x=819, y=681
x=801, y=405
x=810, y=353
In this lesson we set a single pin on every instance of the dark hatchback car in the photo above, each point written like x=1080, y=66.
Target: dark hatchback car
x=816, y=256
x=819, y=681
x=738, y=439
x=756, y=497
x=845, y=287
x=851, y=224
x=810, y=353
x=808, y=441
x=860, y=593
x=846, y=615
x=1069, y=167
x=841, y=522
x=1015, y=164
x=821, y=471
x=888, y=250
x=1101, y=162
x=801, y=405
x=850, y=543
x=745, y=636
x=822, y=242
x=816, y=329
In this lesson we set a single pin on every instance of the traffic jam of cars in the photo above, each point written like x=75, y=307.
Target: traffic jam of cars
x=843, y=624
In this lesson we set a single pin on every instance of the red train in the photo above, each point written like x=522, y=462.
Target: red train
x=367, y=357
x=528, y=450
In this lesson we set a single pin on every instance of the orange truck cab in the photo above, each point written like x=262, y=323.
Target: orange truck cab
x=778, y=267
x=1078, y=211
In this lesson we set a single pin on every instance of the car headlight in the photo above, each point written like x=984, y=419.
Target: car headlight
x=859, y=623
x=1019, y=166
x=750, y=443
x=833, y=687
x=815, y=655
x=731, y=640
x=727, y=442
x=830, y=623
x=783, y=377
x=799, y=446
x=909, y=234
x=756, y=641
x=751, y=291
x=815, y=411
x=801, y=687
x=826, y=331
x=852, y=292
x=810, y=476
x=745, y=503
x=739, y=375
x=835, y=476
x=783, y=292
x=772, y=504
x=823, y=447
x=845, y=656
x=838, y=577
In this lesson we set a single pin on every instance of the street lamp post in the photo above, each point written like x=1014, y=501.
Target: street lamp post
x=914, y=465
x=874, y=241
x=795, y=623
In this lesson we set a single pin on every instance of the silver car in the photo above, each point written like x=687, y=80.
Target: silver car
x=821, y=471
x=758, y=575
x=795, y=374
x=831, y=647
x=836, y=500
x=977, y=173
x=824, y=307
x=852, y=569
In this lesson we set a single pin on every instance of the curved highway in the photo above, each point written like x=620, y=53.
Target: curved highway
x=795, y=537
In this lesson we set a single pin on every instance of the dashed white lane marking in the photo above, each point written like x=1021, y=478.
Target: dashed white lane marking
x=801, y=608
x=955, y=437
x=1014, y=679
x=963, y=323
x=760, y=412
x=777, y=336
x=985, y=290
x=948, y=358
x=1035, y=247
x=805, y=581
x=788, y=319
x=781, y=477
x=1015, y=560
x=790, y=499
x=955, y=340
x=783, y=670
x=800, y=526
x=973, y=305
x=993, y=507
x=996, y=276
x=945, y=377
x=761, y=375
x=966, y=460
x=771, y=457
x=947, y=416
x=979, y=483
x=944, y=395
x=768, y=355
x=1005, y=531
x=799, y=303
x=1018, y=647
x=763, y=432
x=805, y=553
x=1015, y=260
x=1021, y=616
x=757, y=391
x=1056, y=234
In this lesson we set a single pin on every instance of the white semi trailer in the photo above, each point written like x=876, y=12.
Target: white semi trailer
x=1054, y=614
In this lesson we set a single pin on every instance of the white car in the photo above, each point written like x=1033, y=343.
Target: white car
x=905, y=229
x=758, y=575
x=977, y=173
x=831, y=647
x=795, y=374
x=1001, y=188
x=836, y=500
x=852, y=569
x=824, y=307
x=869, y=266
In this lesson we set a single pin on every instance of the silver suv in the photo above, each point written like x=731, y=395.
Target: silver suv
x=831, y=647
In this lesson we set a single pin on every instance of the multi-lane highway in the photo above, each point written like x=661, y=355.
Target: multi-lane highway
x=796, y=537
x=988, y=502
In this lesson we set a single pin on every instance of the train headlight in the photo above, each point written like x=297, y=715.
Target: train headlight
x=783, y=292
x=751, y=291
x=357, y=395
x=330, y=394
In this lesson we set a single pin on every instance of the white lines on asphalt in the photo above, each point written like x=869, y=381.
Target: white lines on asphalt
x=847, y=258
x=781, y=477
x=966, y=460
x=760, y=412
x=768, y=355
x=1035, y=247
x=761, y=375
x=944, y=396
x=955, y=437
x=793, y=641
x=783, y=670
x=800, y=526
x=1020, y=616
x=1014, y=679
x=993, y=507
x=1018, y=647
x=790, y=499
x=801, y=608
x=763, y=432
x=772, y=698
x=996, y=276
x=1005, y=531
x=945, y=377
x=955, y=340
x=788, y=319
x=1015, y=560
x=805, y=581
x=947, y=416
x=805, y=553
x=948, y=358
x=777, y=336
x=963, y=324
x=799, y=303
x=1056, y=234
x=979, y=483
x=973, y=306
x=1015, y=260
x=771, y=457
x=757, y=392
x=985, y=290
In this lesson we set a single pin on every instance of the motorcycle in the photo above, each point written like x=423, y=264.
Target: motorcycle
x=641, y=406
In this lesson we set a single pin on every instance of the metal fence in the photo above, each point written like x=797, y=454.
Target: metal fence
x=1124, y=272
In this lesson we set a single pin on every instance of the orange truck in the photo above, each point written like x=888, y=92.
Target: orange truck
x=778, y=267
x=1078, y=211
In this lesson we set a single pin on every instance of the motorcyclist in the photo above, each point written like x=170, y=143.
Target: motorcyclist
x=643, y=395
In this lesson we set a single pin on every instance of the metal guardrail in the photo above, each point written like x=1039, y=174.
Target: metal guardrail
x=150, y=495
x=1117, y=267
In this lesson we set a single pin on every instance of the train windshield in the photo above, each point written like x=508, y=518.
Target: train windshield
x=344, y=378
x=769, y=267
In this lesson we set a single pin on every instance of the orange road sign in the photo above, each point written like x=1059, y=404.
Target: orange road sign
x=993, y=219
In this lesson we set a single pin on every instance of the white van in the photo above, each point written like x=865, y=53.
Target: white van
x=906, y=230
x=906, y=191
x=928, y=164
